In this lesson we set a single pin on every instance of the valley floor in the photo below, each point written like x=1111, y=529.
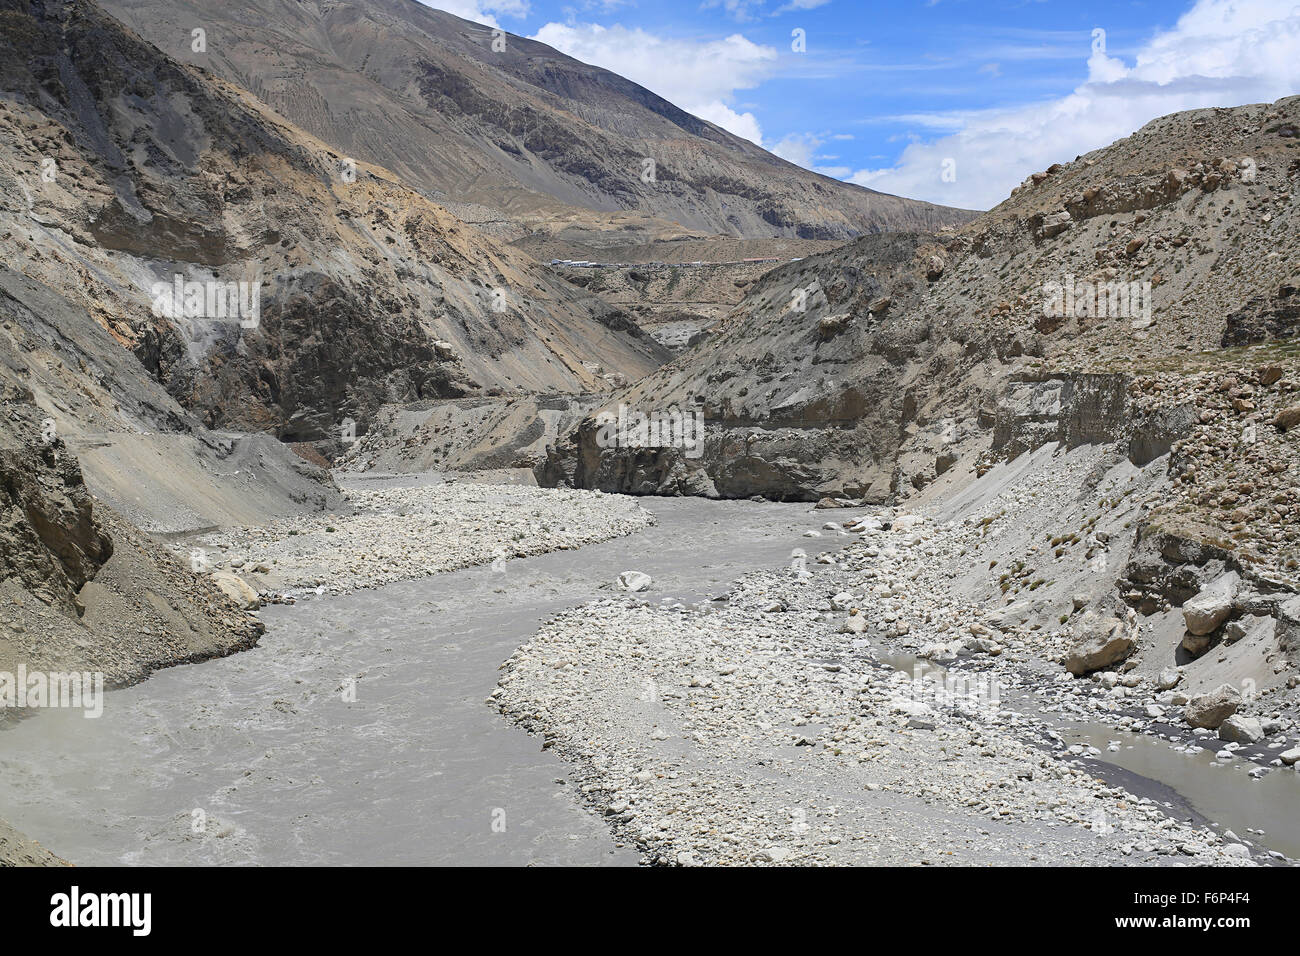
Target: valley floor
x=797, y=716
x=805, y=720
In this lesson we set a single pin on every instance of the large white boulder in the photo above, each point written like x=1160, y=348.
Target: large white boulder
x=1212, y=709
x=1101, y=641
x=634, y=581
x=1244, y=730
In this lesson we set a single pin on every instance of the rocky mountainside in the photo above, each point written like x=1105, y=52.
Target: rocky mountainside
x=1111, y=484
x=1090, y=396
x=92, y=451
x=674, y=289
x=308, y=291
x=516, y=139
x=874, y=368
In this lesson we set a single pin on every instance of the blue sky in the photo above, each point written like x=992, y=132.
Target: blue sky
x=953, y=101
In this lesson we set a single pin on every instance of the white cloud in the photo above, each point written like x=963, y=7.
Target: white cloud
x=700, y=77
x=739, y=9
x=744, y=125
x=797, y=148
x=801, y=149
x=800, y=5
x=480, y=11
x=1220, y=53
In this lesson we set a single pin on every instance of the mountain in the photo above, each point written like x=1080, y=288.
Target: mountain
x=1144, y=297
x=310, y=293
x=517, y=140
x=125, y=175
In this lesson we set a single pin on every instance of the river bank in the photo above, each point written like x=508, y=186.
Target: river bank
x=761, y=701
x=803, y=720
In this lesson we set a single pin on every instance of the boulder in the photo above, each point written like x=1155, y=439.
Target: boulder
x=1102, y=641
x=856, y=624
x=906, y=522
x=1169, y=678
x=1011, y=615
x=1204, y=613
x=1244, y=730
x=237, y=589
x=1054, y=224
x=833, y=325
x=1233, y=631
x=1288, y=418
x=1212, y=709
x=634, y=581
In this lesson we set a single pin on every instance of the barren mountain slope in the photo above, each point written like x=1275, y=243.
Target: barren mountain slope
x=123, y=171
x=80, y=588
x=917, y=357
x=677, y=289
x=512, y=139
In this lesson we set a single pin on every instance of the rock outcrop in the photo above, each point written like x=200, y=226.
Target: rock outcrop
x=50, y=541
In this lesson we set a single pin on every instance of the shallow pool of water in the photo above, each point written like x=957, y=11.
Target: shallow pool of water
x=1222, y=792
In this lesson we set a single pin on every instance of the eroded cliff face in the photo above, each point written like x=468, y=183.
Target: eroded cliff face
x=80, y=589
x=50, y=541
